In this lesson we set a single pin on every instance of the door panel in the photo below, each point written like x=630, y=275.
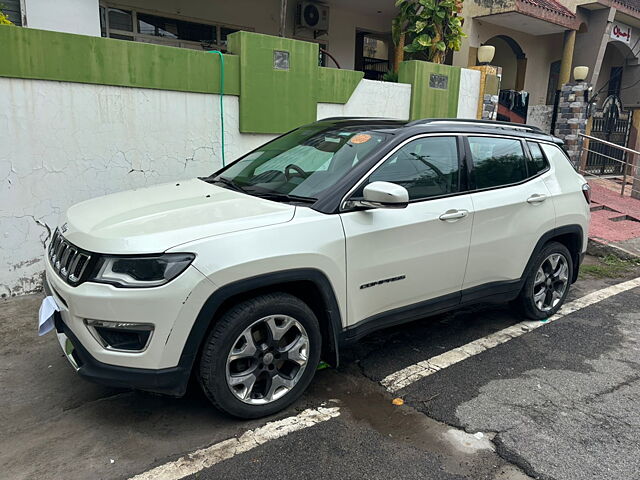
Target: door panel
x=401, y=257
x=506, y=229
x=510, y=217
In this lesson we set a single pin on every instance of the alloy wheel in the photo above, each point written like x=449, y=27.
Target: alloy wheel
x=551, y=281
x=267, y=359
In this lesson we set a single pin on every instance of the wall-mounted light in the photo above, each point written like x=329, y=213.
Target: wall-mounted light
x=580, y=73
x=485, y=54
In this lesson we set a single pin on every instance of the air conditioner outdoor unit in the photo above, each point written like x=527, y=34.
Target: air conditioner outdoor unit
x=313, y=16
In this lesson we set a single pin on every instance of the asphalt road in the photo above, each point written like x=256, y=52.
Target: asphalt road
x=560, y=402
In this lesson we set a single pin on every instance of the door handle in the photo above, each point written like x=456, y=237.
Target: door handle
x=537, y=198
x=453, y=215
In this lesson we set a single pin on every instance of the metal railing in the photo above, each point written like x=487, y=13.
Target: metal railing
x=628, y=162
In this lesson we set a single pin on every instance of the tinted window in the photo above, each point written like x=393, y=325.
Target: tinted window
x=538, y=162
x=497, y=161
x=426, y=167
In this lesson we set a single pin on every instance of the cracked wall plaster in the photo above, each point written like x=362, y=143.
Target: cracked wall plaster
x=62, y=143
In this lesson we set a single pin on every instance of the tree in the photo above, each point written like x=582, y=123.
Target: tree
x=433, y=27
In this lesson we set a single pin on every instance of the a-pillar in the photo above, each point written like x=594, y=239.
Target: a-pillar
x=489, y=91
x=572, y=118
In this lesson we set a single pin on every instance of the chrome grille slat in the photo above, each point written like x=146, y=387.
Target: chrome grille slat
x=64, y=246
x=76, y=273
x=66, y=259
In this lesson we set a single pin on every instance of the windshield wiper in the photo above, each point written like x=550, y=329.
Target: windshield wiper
x=283, y=196
x=227, y=182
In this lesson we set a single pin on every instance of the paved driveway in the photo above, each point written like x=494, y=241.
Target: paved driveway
x=560, y=402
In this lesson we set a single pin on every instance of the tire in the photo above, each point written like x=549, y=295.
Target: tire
x=546, y=287
x=245, y=368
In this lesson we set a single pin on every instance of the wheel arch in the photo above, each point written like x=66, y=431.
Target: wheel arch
x=571, y=236
x=310, y=285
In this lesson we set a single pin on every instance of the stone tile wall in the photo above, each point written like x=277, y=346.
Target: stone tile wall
x=572, y=118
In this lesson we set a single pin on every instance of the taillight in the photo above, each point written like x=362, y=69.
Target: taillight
x=586, y=191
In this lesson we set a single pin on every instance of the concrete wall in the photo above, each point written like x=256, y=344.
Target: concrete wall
x=370, y=99
x=506, y=59
x=540, y=116
x=71, y=16
x=66, y=142
x=468, y=95
x=263, y=16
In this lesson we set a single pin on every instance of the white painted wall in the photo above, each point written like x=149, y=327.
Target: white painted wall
x=71, y=16
x=62, y=143
x=469, y=93
x=372, y=99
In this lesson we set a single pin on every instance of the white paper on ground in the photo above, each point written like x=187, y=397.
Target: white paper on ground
x=45, y=316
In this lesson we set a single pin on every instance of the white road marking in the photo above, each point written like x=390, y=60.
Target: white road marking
x=402, y=378
x=209, y=456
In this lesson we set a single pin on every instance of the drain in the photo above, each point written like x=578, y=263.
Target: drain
x=622, y=218
x=597, y=208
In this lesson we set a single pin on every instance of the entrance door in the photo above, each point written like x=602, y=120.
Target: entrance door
x=372, y=54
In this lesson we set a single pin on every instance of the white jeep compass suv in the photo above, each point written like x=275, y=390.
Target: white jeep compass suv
x=248, y=277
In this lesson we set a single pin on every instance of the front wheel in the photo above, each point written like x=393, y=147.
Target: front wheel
x=547, y=285
x=261, y=355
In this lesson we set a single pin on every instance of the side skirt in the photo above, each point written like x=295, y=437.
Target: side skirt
x=495, y=292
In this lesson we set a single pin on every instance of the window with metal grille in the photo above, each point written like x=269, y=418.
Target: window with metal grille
x=139, y=26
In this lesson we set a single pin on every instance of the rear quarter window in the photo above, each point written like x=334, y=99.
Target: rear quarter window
x=538, y=162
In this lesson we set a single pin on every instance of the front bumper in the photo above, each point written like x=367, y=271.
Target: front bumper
x=165, y=365
x=169, y=381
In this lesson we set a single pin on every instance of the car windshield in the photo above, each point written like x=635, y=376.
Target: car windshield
x=302, y=163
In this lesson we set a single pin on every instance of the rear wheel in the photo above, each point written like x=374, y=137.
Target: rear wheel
x=261, y=355
x=547, y=285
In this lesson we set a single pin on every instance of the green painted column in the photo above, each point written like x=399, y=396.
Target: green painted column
x=268, y=93
x=434, y=88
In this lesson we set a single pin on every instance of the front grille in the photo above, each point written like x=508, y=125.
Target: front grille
x=67, y=260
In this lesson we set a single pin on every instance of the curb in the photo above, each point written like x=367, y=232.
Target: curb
x=598, y=248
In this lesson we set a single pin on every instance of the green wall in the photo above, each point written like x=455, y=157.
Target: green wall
x=271, y=101
x=428, y=102
x=41, y=54
x=275, y=101
x=336, y=86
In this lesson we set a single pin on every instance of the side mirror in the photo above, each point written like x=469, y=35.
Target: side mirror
x=382, y=195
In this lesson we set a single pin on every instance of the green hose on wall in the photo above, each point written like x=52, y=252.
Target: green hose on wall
x=221, y=98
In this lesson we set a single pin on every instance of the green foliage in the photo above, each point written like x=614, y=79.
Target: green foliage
x=609, y=266
x=433, y=28
x=4, y=20
x=390, y=76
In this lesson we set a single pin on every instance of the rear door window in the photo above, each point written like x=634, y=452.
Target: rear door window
x=497, y=161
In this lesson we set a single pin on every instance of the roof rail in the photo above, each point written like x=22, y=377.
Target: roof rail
x=347, y=117
x=479, y=123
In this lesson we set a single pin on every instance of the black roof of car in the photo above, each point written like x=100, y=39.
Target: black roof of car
x=446, y=125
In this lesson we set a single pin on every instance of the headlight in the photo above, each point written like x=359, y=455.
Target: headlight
x=141, y=271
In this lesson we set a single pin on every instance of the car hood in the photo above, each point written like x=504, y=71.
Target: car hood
x=154, y=219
